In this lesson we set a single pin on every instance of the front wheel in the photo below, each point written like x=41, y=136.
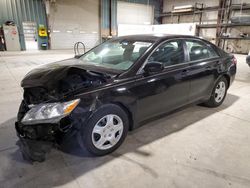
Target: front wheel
x=219, y=93
x=105, y=131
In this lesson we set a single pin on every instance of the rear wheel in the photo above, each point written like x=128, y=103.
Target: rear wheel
x=218, y=94
x=105, y=131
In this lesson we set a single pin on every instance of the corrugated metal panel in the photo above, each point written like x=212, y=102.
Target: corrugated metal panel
x=73, y=21
x=22, y=11
x=105, y=13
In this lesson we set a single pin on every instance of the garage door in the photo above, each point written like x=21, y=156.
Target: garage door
x=72, y=21
x=133, y=13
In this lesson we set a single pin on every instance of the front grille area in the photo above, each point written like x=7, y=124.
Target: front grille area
x=37, y=132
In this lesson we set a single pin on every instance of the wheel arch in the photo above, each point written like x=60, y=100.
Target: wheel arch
x=128, y=112
x=227, y=78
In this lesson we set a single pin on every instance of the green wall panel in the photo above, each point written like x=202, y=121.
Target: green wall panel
x=23, y=10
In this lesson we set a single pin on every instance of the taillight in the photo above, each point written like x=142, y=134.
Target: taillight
x=234, y=60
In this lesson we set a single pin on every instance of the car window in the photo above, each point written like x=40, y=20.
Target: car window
x=169, y=53
x=198, y=51
x=117, y=54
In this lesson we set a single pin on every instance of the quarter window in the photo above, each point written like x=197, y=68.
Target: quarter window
x=170, y=53
x=198, y=51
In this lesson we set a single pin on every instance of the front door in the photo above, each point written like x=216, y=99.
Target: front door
x=167, y=90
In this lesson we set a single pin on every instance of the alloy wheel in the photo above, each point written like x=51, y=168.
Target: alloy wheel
x=107, y=132
x=220, y=91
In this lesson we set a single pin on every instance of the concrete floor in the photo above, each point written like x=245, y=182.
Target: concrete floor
x=195, y=147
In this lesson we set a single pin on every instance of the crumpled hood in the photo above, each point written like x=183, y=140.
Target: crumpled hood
x=49, y=74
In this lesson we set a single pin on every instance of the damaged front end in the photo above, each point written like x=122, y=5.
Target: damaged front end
x=42, y=126
x=49, y=112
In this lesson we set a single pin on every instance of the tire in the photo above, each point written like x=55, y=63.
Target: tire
x=98, y=129
x=214, y=100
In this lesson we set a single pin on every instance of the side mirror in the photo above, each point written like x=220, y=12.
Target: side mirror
x=153, y=67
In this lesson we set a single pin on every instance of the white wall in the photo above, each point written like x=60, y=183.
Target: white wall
x=129, y=29
x=72, y=21
x=133, y=13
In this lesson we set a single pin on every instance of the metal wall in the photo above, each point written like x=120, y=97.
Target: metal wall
x=34, y=10
x=108, y=6
x=71, y=21
x=20, y=11
x=105, y=17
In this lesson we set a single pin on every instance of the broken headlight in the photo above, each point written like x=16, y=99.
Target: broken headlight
x=49, y=112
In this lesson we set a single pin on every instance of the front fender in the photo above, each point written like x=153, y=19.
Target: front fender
x=120, y=95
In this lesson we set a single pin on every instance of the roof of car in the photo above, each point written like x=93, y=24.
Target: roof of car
x=154, y=37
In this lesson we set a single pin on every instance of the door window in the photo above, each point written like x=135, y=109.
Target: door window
x=169, y=53
x=198, y=51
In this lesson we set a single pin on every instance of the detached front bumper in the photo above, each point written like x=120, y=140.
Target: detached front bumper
x=35, y=141
x=34, y=150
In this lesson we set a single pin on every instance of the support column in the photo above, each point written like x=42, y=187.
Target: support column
x=108, y=18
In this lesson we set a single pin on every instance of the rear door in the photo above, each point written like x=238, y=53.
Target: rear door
x=203, y=72
x=167, y=90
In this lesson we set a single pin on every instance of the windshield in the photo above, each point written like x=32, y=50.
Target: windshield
x=116, y=54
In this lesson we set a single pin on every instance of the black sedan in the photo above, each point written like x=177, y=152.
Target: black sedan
x=101, y=95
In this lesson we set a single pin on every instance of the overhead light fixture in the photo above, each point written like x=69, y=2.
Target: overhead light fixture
x=185, y=8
